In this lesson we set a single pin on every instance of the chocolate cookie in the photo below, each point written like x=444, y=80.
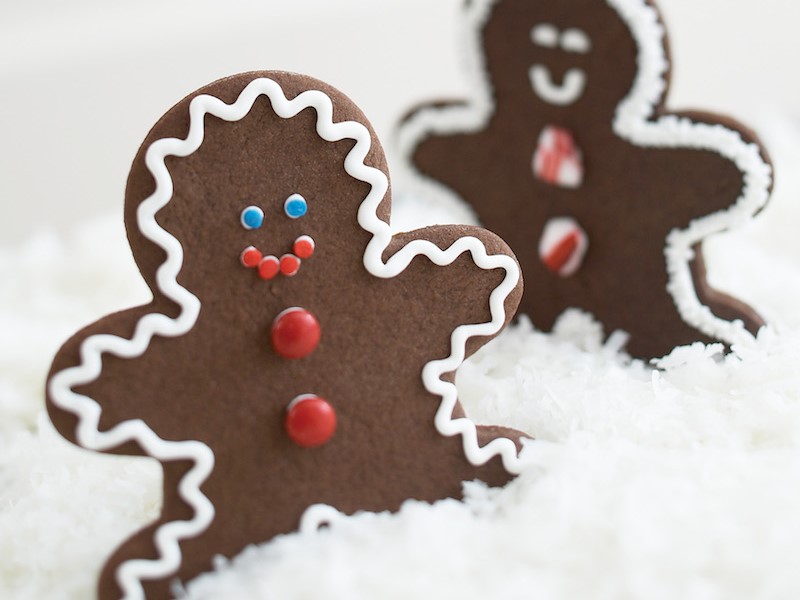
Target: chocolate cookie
x=567, y=151
x=295, y=353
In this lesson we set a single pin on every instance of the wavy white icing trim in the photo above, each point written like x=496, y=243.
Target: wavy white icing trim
x=167, y=537
x=630, y=123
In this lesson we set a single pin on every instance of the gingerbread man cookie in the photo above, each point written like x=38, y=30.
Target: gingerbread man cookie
x=295, y=353
x=566, y=150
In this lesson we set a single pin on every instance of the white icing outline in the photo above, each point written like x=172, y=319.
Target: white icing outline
x=167, y=536
x=631, y=122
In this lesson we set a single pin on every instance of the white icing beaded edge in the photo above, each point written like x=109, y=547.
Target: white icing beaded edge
x=630, y=123
x=167, y=537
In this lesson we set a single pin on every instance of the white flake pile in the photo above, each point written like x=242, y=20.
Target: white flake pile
x=679, y=483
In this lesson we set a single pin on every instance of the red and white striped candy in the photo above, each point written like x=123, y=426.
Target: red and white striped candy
x=563, y=245
x=558, y=160
x=310, y=421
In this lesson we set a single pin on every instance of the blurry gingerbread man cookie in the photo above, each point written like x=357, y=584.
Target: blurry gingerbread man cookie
x=567, y=151
x=295, y=352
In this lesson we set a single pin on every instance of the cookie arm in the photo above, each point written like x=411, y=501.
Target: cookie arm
x=461, y=287
x=69, y=358
x=722, y=191
x=462, y=293
x=443, y=156
x=719, y=179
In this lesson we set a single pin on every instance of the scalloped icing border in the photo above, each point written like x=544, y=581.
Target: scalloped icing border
x=633, y=122
x=167, y=537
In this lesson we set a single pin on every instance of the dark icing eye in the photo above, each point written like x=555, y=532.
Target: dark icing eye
x=295, y=206
x=252, y=217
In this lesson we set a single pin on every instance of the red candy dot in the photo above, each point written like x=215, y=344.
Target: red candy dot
x=304, y=246
x=310, y=421
x=250, y=257
x=295, y=333
x=290, y=264
x=268, y=267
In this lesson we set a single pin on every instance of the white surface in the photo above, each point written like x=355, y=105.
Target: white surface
x=82, y=82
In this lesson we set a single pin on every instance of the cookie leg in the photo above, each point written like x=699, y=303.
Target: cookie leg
x=493, y=473
x=140, y=546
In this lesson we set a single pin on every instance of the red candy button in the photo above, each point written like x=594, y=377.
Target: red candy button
x=310, y=421
x=295, y=333
x=268, y=267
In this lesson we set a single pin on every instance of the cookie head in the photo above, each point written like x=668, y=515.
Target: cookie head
x=260, y=207
x=551, y=57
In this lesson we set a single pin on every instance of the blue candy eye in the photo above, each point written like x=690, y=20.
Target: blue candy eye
x=295, y=206
x=252, y=217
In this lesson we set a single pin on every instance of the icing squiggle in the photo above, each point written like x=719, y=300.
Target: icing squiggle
x=168, y=536
x=635, y=122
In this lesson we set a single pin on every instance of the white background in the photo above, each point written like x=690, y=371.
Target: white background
x=81, y=82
